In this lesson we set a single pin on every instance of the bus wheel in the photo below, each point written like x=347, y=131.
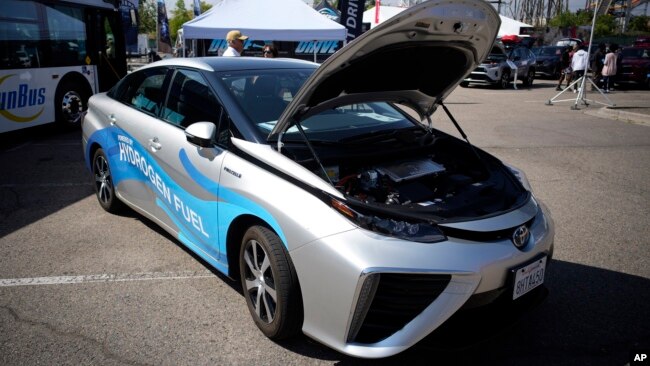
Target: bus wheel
x=70, y=103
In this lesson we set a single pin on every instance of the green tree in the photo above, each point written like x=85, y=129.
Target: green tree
x=179, y=16
x=569, y=19
x=605, y=25
x=640, y=24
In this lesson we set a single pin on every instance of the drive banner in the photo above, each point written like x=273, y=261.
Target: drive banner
x=164, y=39
x=352, y=17
x=129, y=13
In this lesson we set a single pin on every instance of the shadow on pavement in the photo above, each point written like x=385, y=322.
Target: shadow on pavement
x=591, y=316
x=41, y=171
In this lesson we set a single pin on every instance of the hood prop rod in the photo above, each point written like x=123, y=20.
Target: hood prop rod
x=313, y=152
x=462, y=133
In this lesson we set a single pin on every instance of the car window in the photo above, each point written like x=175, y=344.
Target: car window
x=264, y=94
x=142, y=90
x=190, y=100
x=346, y=122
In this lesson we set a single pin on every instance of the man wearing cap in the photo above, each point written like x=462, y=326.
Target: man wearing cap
x=235, y=43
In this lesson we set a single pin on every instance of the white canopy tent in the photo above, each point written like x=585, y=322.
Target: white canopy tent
x=511, y=26
x=278, y=20
x=385, y=13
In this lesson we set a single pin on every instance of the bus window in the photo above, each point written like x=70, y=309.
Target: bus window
x=67, y=35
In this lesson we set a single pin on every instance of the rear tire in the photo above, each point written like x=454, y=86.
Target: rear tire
x=270, y=284
x=530, y=77
x=104, y=188
x=71, y=101
x=464, y=84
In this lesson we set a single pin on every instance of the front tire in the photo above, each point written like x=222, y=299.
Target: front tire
x=104, y=188
x=505, y=80
x=270, y=284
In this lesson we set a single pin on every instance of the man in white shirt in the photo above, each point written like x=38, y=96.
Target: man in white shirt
x=235, y=43
x=579, y=63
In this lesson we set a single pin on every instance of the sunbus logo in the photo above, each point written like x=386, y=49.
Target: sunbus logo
x=20, y=98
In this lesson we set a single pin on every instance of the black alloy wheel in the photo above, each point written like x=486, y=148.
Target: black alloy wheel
x=104, y=188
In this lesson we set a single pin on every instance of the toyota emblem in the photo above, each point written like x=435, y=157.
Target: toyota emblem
x=520, y=236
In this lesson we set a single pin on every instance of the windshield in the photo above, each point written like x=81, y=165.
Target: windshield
x=348, y=123
x=496, y=55
x=264, y=94
x=547, y=51
x=635, y=53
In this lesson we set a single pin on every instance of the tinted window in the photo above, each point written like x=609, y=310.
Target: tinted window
x=142, y=90
x=347, y=122
x=190, y=100
x=264, y=94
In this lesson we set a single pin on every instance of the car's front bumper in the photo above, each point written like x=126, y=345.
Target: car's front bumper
x=333, y=270
x=484, y=75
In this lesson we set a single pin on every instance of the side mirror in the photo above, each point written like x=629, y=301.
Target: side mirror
x=201, y=134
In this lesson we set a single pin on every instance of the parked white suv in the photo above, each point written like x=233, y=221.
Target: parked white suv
x=496, y=70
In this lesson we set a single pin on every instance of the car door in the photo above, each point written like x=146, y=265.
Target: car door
x=522, y=60
x=178, y=185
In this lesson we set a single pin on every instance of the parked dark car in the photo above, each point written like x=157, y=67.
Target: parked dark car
x=642, y=41
x=495, y=70
x=549, y=61
x=634, y=66
x=569, y=42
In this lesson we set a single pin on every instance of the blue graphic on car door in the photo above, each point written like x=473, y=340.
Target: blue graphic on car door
x=195, y=219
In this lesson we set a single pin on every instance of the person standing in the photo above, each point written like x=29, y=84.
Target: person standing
x=565, y=62
x=609, y=67
x=579, y=63
x=269, y=51
x=235, y=43
x=597, y=65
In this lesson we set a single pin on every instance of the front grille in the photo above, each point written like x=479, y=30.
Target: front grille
x=482, y=236
x=399, y=298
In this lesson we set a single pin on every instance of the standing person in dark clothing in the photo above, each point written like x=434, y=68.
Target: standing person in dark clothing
x=597, y=64
x=565, y=62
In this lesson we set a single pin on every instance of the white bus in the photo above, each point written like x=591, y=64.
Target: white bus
x=53, y=56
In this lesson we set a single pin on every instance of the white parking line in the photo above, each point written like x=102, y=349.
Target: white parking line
x=106, y=277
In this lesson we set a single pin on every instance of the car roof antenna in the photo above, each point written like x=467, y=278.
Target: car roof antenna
x=313, y=152
x=462, y=133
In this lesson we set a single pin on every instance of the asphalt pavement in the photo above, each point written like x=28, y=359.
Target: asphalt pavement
x=79, y=286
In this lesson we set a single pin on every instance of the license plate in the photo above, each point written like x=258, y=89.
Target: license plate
x=529, y=277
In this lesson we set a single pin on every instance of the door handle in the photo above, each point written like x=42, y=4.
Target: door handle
x=112, y=119
x=154, y=144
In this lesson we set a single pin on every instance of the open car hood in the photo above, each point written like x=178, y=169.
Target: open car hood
x=415, y=58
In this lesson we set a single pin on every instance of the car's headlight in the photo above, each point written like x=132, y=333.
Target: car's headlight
x=422, y=232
